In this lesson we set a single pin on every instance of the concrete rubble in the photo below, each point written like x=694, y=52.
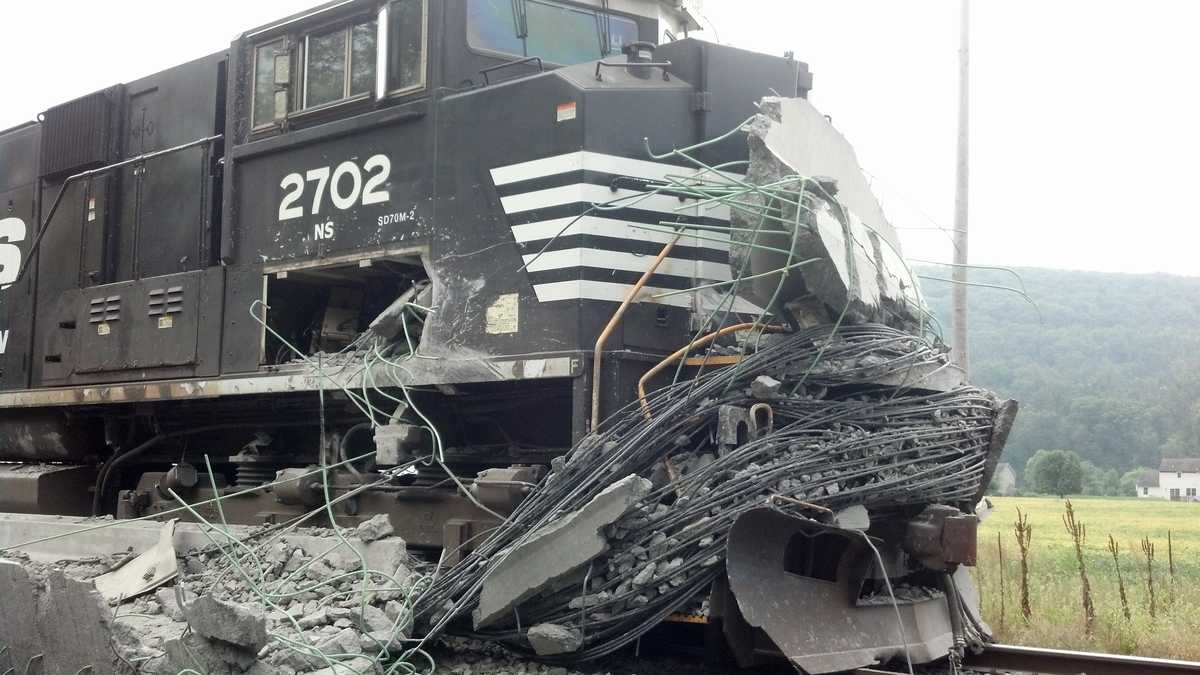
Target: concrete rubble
x=549, y=639
x=230, y=622
x=317, y=613
x=556, y=551
x=52, y=609
x=376, y=528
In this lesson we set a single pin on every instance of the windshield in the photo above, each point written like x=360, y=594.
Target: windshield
x=556, y=32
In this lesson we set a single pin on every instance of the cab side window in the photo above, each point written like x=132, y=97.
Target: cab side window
x=339, y=64
x=319, y=68
x=406, y=39
x=557, y=32
x=265, y=89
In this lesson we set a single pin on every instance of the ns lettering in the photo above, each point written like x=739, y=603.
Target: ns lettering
x=12, y=231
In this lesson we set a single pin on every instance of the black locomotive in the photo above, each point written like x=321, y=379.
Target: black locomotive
x=201, y=266
x=322, y=166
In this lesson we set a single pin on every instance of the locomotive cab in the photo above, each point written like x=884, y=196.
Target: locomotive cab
x=350, y=57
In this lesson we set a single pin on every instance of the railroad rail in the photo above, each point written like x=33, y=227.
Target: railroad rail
x=1015, y=660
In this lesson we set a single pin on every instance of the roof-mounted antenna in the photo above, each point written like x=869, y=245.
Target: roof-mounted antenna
x=604, y=25
x=520, y=18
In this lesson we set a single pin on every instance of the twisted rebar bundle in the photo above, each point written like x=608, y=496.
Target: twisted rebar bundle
x=839, y=439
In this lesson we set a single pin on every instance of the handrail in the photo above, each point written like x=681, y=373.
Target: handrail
x=514, y=62
x=683, y=351
x=634, y=64
x=45, y=224
x=598, y=351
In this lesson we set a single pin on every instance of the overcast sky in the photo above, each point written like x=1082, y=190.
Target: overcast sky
x=1085, y=133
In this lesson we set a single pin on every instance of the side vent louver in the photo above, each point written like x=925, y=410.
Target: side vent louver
x=76, y=135
x=165, y=301
x=103, y=310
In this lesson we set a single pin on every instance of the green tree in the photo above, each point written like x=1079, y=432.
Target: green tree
x=1100, y=482
x=1057, y=472
x=1112, y=483
x=1128, y=482
x=1093, y=479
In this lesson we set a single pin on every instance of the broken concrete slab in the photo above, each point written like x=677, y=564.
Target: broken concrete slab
x=18, y=625
x=236, y=624
x=63, y=620
x=75, y=624
x=345, y=641
x=191, y=652
x=853, y=517
x=377, y=527
x=837, y=224
x=370, y=619
x=765, y=388
x=358, y=664
x=375, y=641
x=170, y=604
x=153, y=568
x=141, y=638
x=556, y=551
x=71, y=537
x=549, y=639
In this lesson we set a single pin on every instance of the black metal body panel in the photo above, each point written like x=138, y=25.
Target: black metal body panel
x=725, y=79
x=471, y=180
x=165, y=215
x=126, y=233
x=149, y=323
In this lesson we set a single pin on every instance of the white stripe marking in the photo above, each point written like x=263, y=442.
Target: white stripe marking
x=609, y=227
x=629, y=262
x=598, y=194
x=602, y=163
x=613, y=292
x=538, y=168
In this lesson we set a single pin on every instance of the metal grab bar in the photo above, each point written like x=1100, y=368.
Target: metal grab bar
x=633, y=64
x=517, y=62
x=45, y=224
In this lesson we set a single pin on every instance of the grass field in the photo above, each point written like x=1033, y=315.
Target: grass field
x=1054, y=585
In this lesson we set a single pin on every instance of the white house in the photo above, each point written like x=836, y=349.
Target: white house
x=1004, y=480
x=1177, y=479
x=1147, y=485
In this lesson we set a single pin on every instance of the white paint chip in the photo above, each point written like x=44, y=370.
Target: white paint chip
x=502, y=315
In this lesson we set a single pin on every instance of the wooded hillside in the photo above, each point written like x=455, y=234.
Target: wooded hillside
x=1111, y=369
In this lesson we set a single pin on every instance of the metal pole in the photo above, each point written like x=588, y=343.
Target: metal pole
x=958, y=351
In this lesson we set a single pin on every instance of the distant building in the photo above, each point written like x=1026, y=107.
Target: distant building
x=1147, y=485
x=1177, y=479
x=1004, y=481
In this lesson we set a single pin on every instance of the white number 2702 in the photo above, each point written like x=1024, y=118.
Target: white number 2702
x=377, y=169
